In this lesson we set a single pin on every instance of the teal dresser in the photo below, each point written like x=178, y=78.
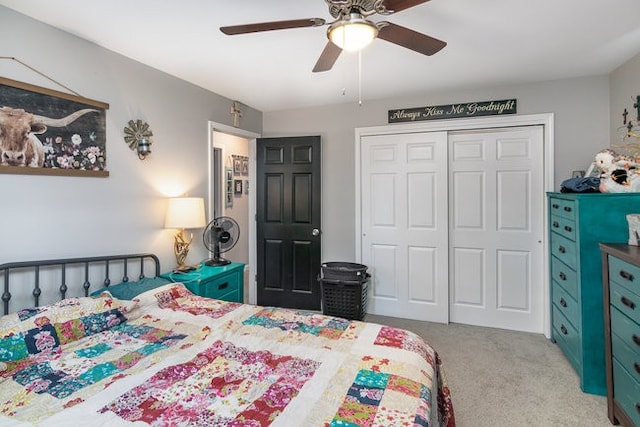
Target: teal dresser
x=621, y=278
x=225, y=282
x=577, y=224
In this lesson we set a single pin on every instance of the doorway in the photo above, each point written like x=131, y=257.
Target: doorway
x=222, y=147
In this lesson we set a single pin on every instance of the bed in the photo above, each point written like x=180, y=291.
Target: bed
x=169, y=357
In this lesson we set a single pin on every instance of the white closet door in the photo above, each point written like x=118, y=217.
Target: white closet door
x=404, y=224
x=496, y=204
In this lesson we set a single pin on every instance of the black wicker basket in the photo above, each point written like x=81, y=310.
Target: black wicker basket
x=343, y=271
x=344, y=298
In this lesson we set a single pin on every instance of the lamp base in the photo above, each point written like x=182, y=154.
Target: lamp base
x=184, y=268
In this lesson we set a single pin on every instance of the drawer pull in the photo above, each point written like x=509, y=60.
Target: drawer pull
x=626, y=275
x=636, y=367
x=626, y=301
x=563, y=302
x=562, y=276
x=562, y=250
x=555, y=224
x=555, y=206
x=567, y=209
x=638, y=407
x=568, y=229
x=636, y=339
x=563, y=330
x=222, y=286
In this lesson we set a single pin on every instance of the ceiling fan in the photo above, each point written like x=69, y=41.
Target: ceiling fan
x=351, y=30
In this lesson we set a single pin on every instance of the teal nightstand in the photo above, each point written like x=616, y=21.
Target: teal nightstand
x=225, y=282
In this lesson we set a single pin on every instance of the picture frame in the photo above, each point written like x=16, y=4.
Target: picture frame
x=237, y=185
x=246, y=186
x=237, y=165
x=67, y=134
x=228, y=187
x=245, y=166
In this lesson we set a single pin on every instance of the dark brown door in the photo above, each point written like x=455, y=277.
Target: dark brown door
x=288, y=221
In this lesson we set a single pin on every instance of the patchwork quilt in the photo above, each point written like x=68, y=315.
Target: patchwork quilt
x=172, y=358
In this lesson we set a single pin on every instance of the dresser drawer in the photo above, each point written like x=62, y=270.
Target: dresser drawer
x=564, y=249
x=565, y=276
x=626, y=392
x=566, y=305
x=625, y=301
x=563, y=208
x=627, y=330
x=625, y=274
x=567, y=337
x=625, y=355
x=564, y=226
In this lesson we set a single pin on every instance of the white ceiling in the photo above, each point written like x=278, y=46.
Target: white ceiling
x=490, y=42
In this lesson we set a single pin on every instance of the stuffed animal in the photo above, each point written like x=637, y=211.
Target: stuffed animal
x=604, y=160
x=618, y=173
x=620, y=182
x=608, y=160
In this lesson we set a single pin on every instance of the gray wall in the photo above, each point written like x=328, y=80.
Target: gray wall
x=625, y=86
x=52, y=216
x=580, y=106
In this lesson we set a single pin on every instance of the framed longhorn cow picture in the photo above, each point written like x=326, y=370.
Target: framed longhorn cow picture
x=47, y=132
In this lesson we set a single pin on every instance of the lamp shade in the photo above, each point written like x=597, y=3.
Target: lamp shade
x=353, y=33
x=185, y=212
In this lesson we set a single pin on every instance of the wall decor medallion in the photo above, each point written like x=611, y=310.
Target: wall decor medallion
x=138, y=135
x=47, y=132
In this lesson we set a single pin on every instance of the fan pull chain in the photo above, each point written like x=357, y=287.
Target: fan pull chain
x=360, y=78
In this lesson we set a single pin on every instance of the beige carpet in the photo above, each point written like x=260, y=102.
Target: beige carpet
x=507, y=378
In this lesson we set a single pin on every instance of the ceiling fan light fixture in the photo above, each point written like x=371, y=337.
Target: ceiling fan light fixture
x=352, y=33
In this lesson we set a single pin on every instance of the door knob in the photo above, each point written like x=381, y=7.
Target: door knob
x=315, y=232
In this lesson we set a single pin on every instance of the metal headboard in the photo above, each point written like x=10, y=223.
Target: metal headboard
x=60, y=265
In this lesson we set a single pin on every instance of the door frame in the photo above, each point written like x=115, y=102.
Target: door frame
x=251, y=137
x=544, y=119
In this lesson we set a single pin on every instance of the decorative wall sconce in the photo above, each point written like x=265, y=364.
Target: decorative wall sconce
x=138, y=136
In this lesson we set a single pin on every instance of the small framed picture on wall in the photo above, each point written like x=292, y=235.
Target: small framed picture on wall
x=237, y=185
x=237, y=165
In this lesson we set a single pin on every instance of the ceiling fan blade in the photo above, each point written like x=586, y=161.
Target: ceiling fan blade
x=410, y=39
x=269, y=26
x=398, y=5
x=328, y=57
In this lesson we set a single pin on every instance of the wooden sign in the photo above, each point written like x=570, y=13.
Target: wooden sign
x=453, y=111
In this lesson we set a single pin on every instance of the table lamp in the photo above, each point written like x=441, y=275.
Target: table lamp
x=183, y=213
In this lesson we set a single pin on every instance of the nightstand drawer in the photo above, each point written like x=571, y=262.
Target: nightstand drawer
x=564, y=249
x=221, y=285
x=566, y=305
x=564, y=208
x=224, y=282
x=626, y=392
x=564, y=226
x=567, y=337
x=627, y=330
x=565, y=277
x=625, y=301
